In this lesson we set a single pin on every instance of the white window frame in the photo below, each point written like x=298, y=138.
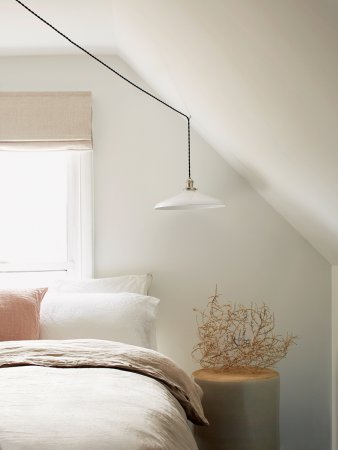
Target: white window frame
x=79, y=263
x=80, y=215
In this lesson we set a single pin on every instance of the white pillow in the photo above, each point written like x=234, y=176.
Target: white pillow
x=138, y=284
x=124, y=317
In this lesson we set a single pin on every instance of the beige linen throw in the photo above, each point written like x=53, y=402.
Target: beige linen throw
x=72, y=374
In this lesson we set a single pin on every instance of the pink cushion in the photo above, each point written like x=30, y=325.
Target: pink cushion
x=19, y=314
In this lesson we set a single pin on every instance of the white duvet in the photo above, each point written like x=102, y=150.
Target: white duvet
x=93, y=395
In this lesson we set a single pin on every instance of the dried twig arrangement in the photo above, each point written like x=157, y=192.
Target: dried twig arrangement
x=233, y=337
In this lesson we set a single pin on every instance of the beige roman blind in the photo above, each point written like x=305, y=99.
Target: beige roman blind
x=45, y=121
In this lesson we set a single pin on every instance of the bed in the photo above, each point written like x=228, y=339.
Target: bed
x=91, y=391
x=93, y=394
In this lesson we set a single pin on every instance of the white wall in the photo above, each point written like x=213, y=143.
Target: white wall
x=247, y=248
x=334, y=356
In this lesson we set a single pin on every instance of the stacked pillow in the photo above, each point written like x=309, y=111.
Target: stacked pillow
x=123, y=317
x=137, y=284
x=19, y=314
x=116, y=309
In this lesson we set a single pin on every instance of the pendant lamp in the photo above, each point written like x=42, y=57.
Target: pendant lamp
x=190, y=198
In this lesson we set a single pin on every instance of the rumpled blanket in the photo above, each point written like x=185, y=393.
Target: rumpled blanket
x=93, y=394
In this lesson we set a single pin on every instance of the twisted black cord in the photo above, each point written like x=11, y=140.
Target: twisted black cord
x=114, y=71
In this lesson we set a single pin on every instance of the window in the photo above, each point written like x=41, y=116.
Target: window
x=45, y=220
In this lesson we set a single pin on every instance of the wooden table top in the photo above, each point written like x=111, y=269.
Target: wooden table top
x=243, y=374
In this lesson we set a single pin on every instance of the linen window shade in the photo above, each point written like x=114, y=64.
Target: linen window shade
x=45, y=121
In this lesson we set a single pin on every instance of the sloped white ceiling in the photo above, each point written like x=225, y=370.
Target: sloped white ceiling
x=259, y=77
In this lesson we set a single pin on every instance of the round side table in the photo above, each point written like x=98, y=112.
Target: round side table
x=242, y=407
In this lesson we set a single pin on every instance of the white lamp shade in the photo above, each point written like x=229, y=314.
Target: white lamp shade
x=190, y=199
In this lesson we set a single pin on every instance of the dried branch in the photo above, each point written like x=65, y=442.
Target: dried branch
x=234, y=337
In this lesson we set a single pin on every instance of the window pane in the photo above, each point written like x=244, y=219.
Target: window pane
x=30, y=279
x=33, y=207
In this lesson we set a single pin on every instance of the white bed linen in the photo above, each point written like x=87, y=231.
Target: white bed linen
x=51, y=407
x=123, y=317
